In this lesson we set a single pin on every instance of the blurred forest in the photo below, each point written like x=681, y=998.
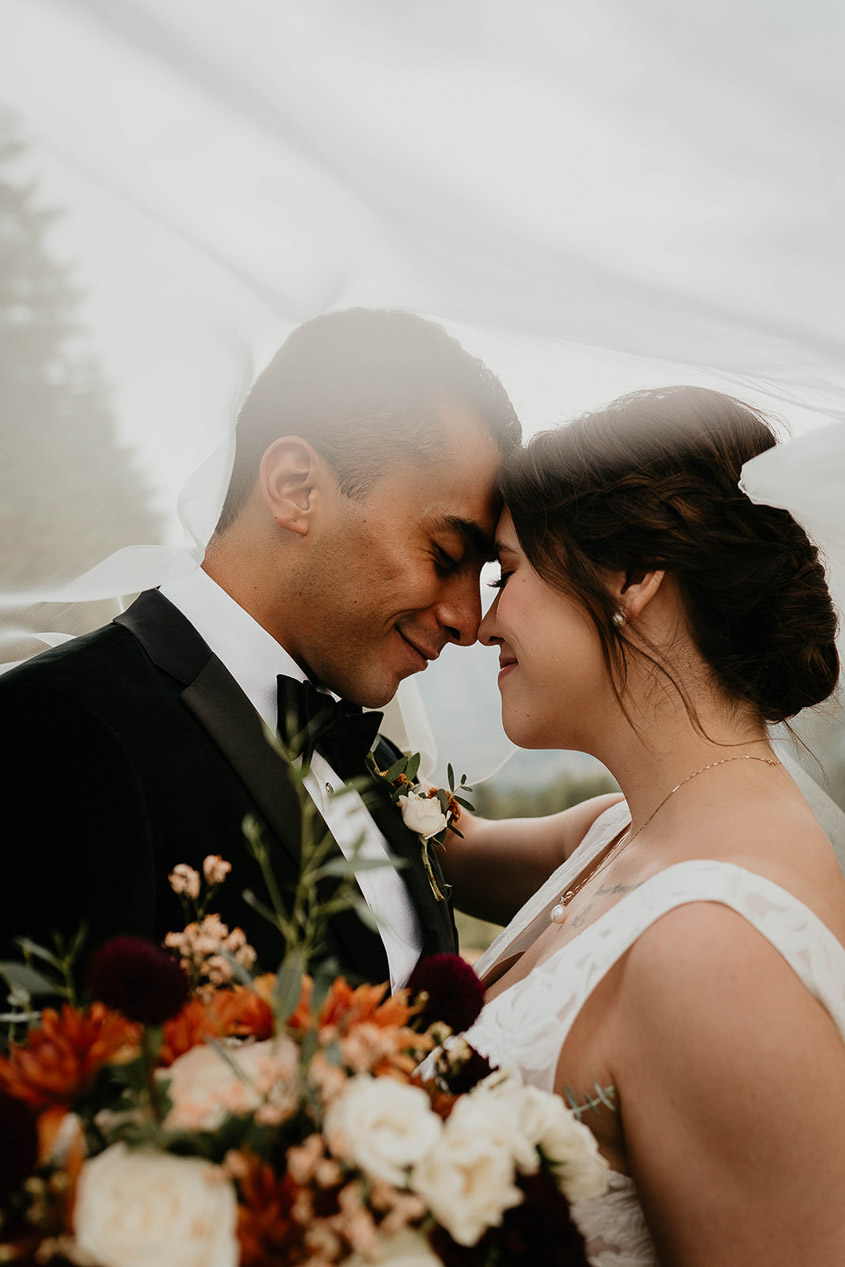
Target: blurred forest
x=70, y=492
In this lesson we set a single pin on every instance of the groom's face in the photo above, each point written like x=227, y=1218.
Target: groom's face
x=395, y=576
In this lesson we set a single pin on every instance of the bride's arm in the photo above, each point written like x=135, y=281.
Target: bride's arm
x=732, y=1095
x=499, y=864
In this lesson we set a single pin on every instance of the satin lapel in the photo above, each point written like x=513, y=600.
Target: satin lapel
x=238, y=732
x=225, y=713
x=221, y=707
x=219, y=704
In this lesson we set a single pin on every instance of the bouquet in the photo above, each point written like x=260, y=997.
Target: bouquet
x=190, y=1114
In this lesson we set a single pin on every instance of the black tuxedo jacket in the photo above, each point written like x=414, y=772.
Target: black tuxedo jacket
x=133, y=749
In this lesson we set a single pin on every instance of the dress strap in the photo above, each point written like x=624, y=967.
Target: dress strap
x=544, y=1005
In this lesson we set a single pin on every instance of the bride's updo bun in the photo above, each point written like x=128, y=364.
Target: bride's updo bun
x=651, y=482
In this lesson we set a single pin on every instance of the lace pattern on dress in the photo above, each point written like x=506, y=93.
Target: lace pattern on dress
x=524, y=1028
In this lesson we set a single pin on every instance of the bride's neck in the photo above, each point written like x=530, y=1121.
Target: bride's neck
x=664, y=741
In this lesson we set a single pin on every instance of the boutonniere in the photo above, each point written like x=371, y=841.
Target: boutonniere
x=429, y=812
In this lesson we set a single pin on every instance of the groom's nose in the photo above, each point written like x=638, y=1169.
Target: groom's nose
x=458, y=611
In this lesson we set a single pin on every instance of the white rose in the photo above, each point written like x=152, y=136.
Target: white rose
x=408, y=1249
x=568, y=1144
x=145, y=1209
x=496, y=1120
x=206, y=1084
x=422, y=814
x=382, y=1126
x=466, y=1182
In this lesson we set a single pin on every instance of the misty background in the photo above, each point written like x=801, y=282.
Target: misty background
x=591, y=198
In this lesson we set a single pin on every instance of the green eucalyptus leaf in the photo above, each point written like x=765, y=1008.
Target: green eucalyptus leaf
x=345, y=867
x=398, y=767
x=412, y=767
x=364, y=914
x=324, y=976
x=251, y=900
x=31, y=948
x=465, y=803
x=78, y=941
x=23, y=978
x=241, y=973
x=288, y=985
x=450, y=774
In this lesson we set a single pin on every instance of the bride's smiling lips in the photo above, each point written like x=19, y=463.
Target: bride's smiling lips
x=506, y=663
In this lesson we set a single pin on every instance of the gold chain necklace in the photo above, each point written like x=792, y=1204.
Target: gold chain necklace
x=559, y=912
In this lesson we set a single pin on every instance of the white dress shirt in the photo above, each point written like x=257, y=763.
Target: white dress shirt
x=254, y=658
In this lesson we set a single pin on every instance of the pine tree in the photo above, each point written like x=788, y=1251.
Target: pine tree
x=70, y=493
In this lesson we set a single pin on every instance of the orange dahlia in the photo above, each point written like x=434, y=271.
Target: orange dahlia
x=345, y=1007
x=195, y=1024
x=240, y=1012
x=244, y=1012
x=267, y=1231
x=58, y=1060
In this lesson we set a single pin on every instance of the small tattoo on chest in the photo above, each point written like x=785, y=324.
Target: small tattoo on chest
x=580, y=917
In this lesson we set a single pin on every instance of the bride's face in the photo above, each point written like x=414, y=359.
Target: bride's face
x=552, y=676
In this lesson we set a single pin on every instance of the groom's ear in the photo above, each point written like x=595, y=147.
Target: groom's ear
x=635, y=590
x=294, y=482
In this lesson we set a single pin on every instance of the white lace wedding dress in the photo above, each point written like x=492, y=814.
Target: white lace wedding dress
x=524, y=1028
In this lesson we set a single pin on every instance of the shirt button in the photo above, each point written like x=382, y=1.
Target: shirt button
x=330, y=789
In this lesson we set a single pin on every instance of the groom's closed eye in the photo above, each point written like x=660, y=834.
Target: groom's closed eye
x=445, y=563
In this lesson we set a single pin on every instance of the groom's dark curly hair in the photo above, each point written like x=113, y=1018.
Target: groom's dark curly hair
x=652, y=482
x=365, y=388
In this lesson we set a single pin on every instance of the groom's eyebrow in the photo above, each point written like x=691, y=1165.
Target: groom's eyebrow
x=475, y=539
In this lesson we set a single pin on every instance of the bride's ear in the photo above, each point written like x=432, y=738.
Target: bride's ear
x=635, y=590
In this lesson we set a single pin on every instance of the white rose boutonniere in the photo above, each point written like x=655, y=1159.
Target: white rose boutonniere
x=428, y=811
x=422, y=813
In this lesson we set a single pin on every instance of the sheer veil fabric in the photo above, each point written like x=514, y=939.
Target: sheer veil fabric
x=592, y=198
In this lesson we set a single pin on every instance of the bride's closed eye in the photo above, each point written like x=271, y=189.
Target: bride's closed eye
x=500, y=581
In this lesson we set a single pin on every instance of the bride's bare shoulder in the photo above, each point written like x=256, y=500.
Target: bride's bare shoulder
x=780, y=840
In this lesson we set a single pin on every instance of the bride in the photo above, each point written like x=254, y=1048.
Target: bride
x=688, y=950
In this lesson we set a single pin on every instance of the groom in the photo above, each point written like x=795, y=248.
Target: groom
x=360, y=509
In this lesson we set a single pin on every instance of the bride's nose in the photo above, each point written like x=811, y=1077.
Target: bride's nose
x=488, y=631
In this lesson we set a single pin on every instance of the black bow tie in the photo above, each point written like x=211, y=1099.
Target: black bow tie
x=310, y=719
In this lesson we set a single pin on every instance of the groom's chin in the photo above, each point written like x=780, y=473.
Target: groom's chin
x=371, y=694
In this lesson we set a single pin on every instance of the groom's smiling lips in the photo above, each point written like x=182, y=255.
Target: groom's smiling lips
x=422, y=653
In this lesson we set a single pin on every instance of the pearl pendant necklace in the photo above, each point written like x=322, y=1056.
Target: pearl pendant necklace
x=559, y=912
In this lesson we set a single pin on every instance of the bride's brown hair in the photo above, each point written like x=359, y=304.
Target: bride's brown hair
x=651, y=482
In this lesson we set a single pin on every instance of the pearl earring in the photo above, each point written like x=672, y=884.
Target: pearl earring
x=619, y=618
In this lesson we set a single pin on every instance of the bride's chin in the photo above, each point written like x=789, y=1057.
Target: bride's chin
x=521, y=733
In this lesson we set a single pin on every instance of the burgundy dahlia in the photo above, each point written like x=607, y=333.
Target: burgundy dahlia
x=139, y=979
x=19, y=1151
x=540, y=1232
x=463, y=1077
x=455, y=994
